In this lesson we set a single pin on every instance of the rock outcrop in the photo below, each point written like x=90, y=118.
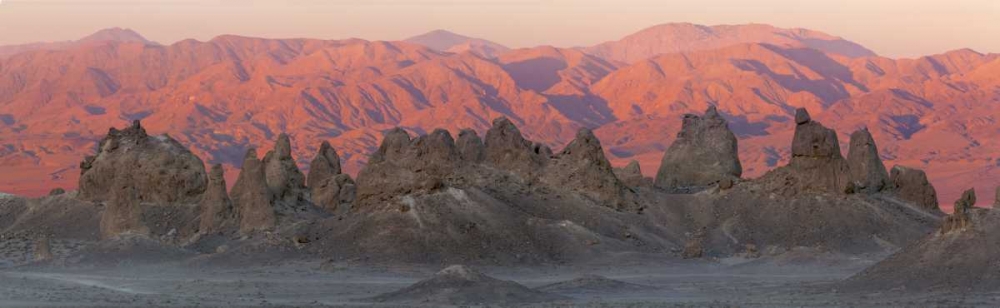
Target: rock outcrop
x=705, y=152
x=996, y=203
x=470, y=146
x=123, y=212
x=164, y=171
x=816, y=158
x=284, y=179
x=324, y=166
x=330, y=188
x=868, y=174
x=57, y=192
x=960, y=218
x=216, y=207
x=402, y=166
x=583, y=168
x=334, y=192
x=632, y=176
x=506, y=149
x=911, y=185
x=251, y=196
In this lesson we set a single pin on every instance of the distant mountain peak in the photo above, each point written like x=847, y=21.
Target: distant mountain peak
x=115, y=34
x=684, y=37
x=444, y=40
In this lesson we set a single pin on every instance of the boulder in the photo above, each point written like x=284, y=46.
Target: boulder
x=470, y=146
x=324, y=166
x=960, y=218
x=911, y=185
x=704, y=153
x=164, y=171
x=216, y=207
x=251, y=196
x=632, y=176
x=506, y=149
x=582, y=167
x=284, y=179
x=57, y=192
x=867, y=171
x=123, y=212
x=816, y=158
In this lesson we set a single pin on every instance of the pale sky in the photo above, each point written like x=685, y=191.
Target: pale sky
x=895, y=28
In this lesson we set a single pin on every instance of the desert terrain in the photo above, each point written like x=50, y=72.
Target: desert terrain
x=746, y=166
x=225, y=95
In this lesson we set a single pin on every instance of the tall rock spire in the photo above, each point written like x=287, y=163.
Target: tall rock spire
x=705, y=152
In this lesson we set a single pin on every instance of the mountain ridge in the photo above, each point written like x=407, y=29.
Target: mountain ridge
x=223, y=95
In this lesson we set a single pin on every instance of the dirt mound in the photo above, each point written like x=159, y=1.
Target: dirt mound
x=958, y=260
x=593, y=284
x=460, y=285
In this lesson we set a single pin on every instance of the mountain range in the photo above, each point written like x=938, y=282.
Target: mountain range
x=219, y=97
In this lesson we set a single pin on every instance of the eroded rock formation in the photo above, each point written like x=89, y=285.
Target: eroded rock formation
x=470, y=146
x=123, y=211
x=164, y=171
x=632, y=176
x=402, y=166
x=330, y=188
x=251, y=196
x=705, y=152
x=582, y=167
x=911, y=185
x=816, y=157
x=996, y=203
x=507, y=149
x=960, y=218
x=868, y=174
x=324, y=166
x=284, y=179
x=216, y=207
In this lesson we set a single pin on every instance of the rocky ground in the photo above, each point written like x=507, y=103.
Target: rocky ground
x=725, y=282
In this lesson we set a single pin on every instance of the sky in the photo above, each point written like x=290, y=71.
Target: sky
x=894, y=28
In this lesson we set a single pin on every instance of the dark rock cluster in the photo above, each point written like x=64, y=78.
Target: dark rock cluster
x=706, y=152
x=161, y=169
x=868, y=174
x=330, y=188
x=960, y=218
x=912, y=185
x=428, y=163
